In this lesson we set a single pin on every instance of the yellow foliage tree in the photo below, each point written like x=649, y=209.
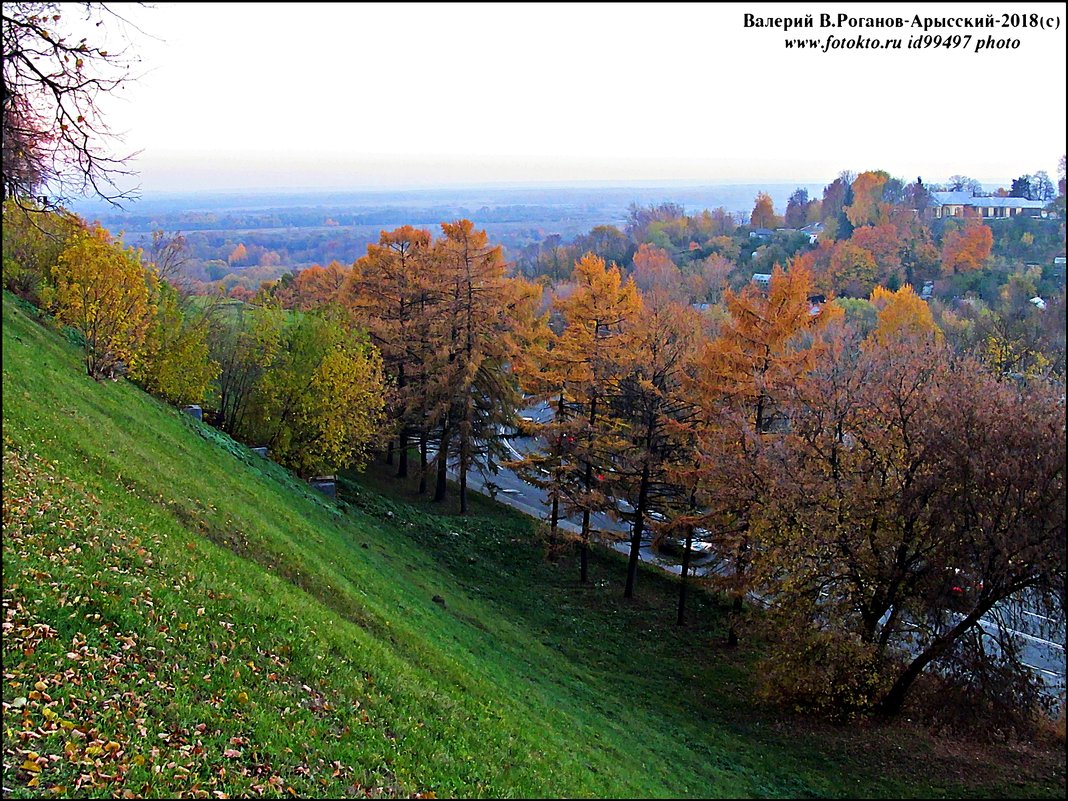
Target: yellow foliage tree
x=319, y=404
x=902, y=314
x=342, y=412
x=173, y=363
x=32, y=242
x=102, y=291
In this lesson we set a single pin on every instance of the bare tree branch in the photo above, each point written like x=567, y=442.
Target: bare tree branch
x=55, y=144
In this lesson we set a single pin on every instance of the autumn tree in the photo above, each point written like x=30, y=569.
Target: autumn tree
x=32, y=242
x=917, y=196
x=902, y=315
x=654, y=269
x=605, y=241
x=711, y=223
x=817, y=263
x=577, y=374
x=102, y=291
x=55, y=143
x=318, y=406
x=554, y=258
x=836, y=195
x=173, y=363
x=243, y=341
x=168, y=254
x=859, y=314
x=640, y=218
x=705, y=279
x=543, y=376
x=736, y=385
x=918, y=254
x=966, y=248
x=1016, y=338
x=485, y=316
x=238, y=256
x=313, y=287
x=643, y=443
x=884, y=243
x=763, y=215
x=723, y=246
x=852, y=270
x=904, y=471
x=389, y=290
x=1003, y=456
x=868, y=206
x=797, y=209
x=241, y=293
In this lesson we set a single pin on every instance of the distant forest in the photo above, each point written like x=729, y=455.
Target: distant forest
x=286, y=233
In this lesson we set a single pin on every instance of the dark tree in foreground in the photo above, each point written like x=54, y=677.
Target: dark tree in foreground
x=55, y=144
x=913, y=497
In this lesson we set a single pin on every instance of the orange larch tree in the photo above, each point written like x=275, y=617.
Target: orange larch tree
x=313, y=287
x=646, y=403
x=386, y=291
x=485, y=318
x=589, y=358
x=735, y=384
x=763, y=215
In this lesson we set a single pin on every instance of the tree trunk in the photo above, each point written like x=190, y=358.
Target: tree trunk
x=683, y=585
x=894, y=700
x=584, y=535
x=554, y=515
x=465, y=442
x=402, y=461
x=584, y=559
x=422, y=462
x=389, y=452
x=636, y=536
x=442, y=464
x=740, y=567
x=736, y=610
x=554, y=521
x=587, y=483
x=402, y=467
x=463, y=483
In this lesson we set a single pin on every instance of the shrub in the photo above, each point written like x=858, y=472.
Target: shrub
x=825, y=673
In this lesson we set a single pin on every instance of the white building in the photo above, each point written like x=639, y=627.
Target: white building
x=953, y=204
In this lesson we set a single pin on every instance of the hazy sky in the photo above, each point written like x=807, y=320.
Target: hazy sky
x=368, y=95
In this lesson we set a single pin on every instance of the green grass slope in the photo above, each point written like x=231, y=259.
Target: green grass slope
x=181, y=617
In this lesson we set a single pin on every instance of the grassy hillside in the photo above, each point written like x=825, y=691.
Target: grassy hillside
x=183, y=617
